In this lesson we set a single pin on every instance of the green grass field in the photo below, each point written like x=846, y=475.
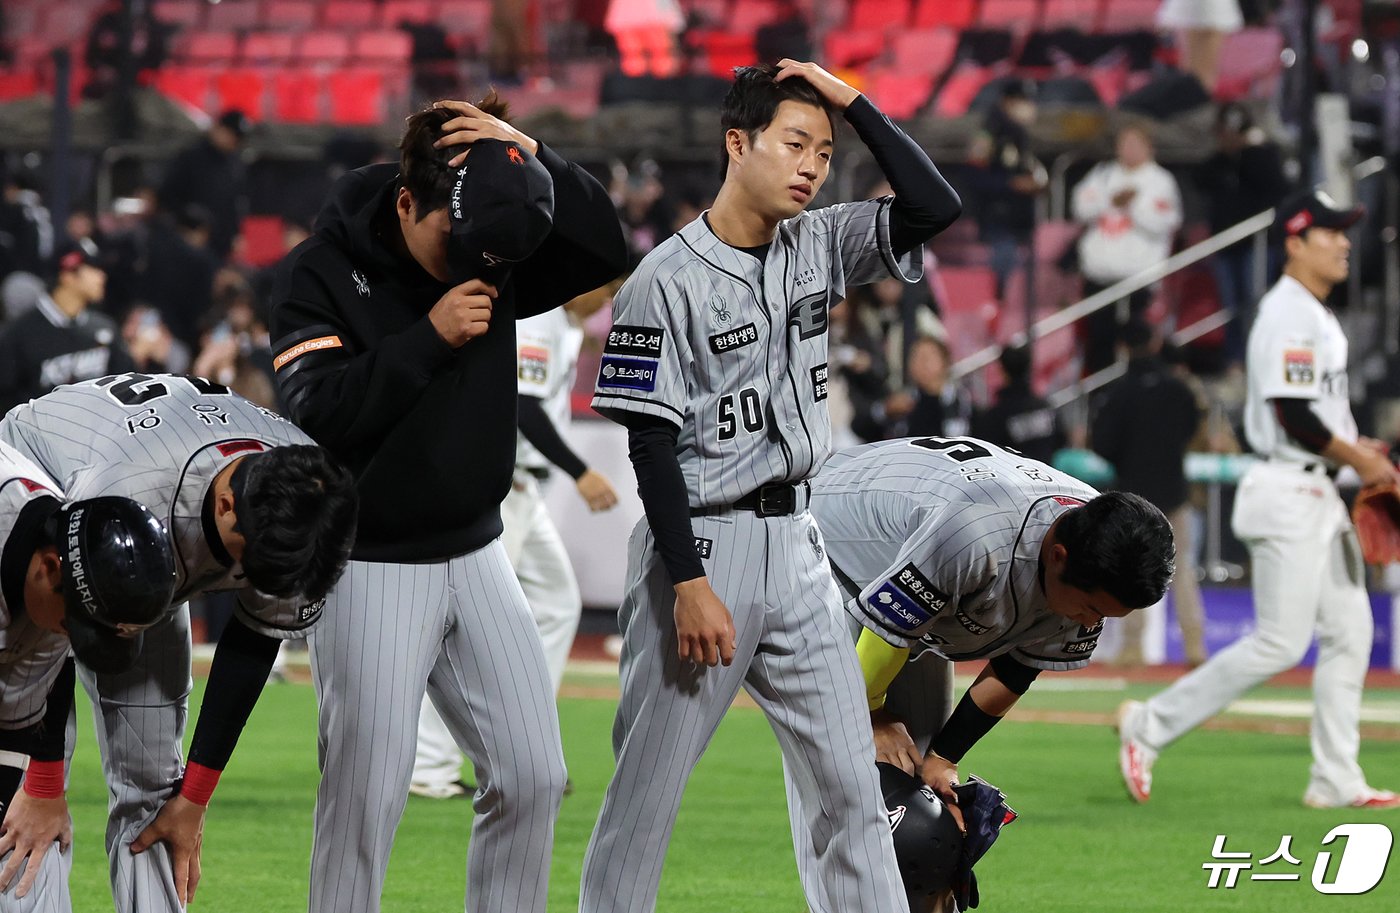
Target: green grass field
x=1080, y=844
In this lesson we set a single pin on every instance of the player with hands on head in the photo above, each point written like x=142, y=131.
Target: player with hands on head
x=1307, y=572
x=954, y=549
x=90, y=575
x=717, y=364
x=252, y=506
x=396, y=349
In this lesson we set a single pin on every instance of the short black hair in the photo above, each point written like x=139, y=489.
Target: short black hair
x=423, y=168
x=296, y=508
x=1015, y=363
x=752, y=102
x=1121, y=544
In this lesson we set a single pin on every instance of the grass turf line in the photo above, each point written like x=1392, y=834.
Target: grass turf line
x=1080, y=845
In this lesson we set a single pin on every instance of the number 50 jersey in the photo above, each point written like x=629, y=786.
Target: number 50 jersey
x=160, y=440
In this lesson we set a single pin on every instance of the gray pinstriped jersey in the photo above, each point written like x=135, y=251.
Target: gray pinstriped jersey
x=943, y=537
x=733, y=350
x=161, y=440
x=30, y=657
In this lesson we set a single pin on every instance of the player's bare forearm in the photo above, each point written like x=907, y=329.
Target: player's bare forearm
x=1373, y=466
x=704, y=627
x=991, y=695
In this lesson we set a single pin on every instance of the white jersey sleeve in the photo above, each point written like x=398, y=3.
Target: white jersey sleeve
x=643, y=368
x=537, y=355
x=948, y=565
x=1285, y=360
x=861, y=251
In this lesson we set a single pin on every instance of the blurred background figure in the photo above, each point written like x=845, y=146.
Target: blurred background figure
x=1201, y=27
x=1144, y=423
x=858, y=382
x=210, y=174
x=1020, y=419
x=1005, y=177
x=933, y=405
x=645, y=32
x=1130, y=209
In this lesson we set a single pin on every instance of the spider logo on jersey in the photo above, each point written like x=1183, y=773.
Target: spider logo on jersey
x=719, y=311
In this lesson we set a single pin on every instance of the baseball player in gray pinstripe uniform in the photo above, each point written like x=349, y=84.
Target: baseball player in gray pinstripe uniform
x=957, y=549
x=717, y=364
x=251, y=506
x=90, y=575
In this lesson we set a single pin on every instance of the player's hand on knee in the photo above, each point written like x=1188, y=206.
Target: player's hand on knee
x=596, y=491
x=464, y=313
x=31, y=828
x=180, y=825
x=893, y=744
x=941, y=775
x=704, y=627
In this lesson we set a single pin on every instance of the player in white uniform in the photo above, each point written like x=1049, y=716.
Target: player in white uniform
x=252, y=506
x=956, y=549
x=547, y=348
x=1307, y=568
x=66, y=571
x=718, y=367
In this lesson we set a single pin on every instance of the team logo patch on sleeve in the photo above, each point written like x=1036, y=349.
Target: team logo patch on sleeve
x=533, y=364
x=634, y=340
x=820, y=376
x=311, y=345
x=1299, y=367
x=628, y=373
x=898, y=607
x=733, y=339
x=809, y=316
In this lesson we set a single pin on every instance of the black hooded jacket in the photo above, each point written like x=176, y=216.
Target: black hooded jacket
x=428, y=431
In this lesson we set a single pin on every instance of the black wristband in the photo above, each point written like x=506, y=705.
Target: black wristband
x=967, y=724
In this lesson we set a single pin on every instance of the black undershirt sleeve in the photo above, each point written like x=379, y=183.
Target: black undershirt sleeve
x=924, y=203
x=1016, y=676
x=651, y=445
x=534, y=423
x=1302, y=423
x=53, y=730
x=242, y=661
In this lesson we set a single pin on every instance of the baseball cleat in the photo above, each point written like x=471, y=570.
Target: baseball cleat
x=457, y=789
x=1134, y=757
x=1368, y=798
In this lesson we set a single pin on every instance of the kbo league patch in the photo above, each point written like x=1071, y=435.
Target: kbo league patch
x=1298, y=367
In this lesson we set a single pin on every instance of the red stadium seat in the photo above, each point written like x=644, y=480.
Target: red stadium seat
x=323, y=47
x=1071, y=14
x=1129, y=15
x=296, y=96
x=726, y=50
x=211, y=47
x=962, y=86
x=295, y=15
x=468, y=18
x=897, y=93
x=396, y=12
x=924, y=51
x=268, y=47
x=241, y=88
x=190, y=85
x=357, y=97
x=956, y=14
x=349, y=14
x=263, y=240
x=20, y=84
x=232, y=15
x=65, y=23
x=748, y=15
x=1011, y=15
x=1250, y=64
x=854, y=48
x=878, y=14
x=177, y=12
x=382, y=47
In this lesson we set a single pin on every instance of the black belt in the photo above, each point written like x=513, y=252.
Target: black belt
x=539, y=472
x=776, y=499
x=1322, y=469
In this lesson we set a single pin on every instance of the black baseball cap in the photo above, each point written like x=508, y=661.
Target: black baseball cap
x=236, y=122
x=1313, y=209
x=118, y=578
x=73, y=254
x=501, y=209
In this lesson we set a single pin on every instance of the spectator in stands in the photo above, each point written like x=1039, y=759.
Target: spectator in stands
x=642, y=206
x=645, y=32
x=1243, y=178
x=210, y=174
x=235, y=349
x=859, y=382
x=177, y=274
x=153, y=348
x=1201, y=26
x=1131, y=208
x=1005, y=177
x=1019, y=419
x=1143, y=425
x=788, y=34
x=26, y=230
x=897, y=314
x=934, y=405
x=63, y=340
x=107, y=46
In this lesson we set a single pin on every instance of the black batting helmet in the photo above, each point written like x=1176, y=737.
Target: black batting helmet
x=927, y=842
x=118, y=578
